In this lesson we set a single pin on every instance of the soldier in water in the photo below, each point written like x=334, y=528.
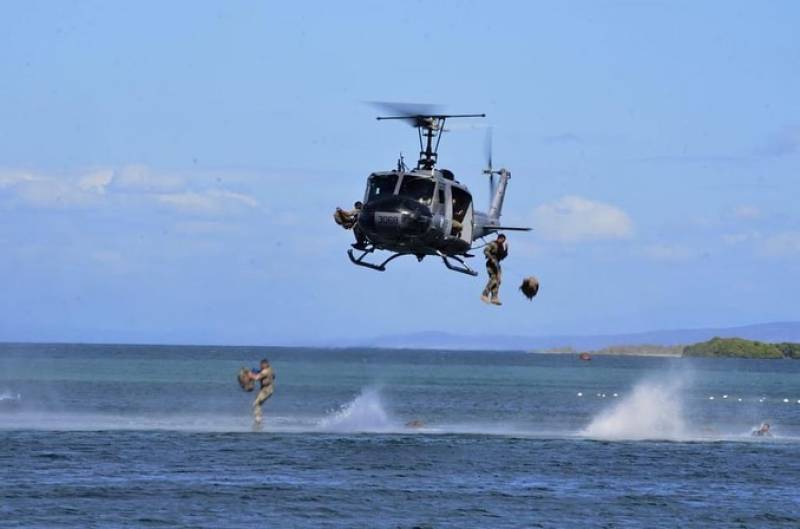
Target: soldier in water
x=267, y=378
x=495, y=252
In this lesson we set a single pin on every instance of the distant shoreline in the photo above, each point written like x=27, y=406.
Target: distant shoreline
x=714, y=348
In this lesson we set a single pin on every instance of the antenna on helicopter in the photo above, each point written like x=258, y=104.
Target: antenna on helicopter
x=429, y=124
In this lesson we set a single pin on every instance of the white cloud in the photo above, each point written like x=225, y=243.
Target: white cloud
x=747, y=212
x=741, y=237
x=207, y=202
x=786, y=244
x=44, y=191
x=667, y=252
x=574, y=219
x=140, y=178
x=97, y=181
x=116, y=188
x=13, y=178
x=53, y=194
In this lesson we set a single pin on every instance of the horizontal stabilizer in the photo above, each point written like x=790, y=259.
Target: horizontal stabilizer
x=508, y=228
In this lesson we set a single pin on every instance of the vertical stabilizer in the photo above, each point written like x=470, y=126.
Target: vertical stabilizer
x=496, y=207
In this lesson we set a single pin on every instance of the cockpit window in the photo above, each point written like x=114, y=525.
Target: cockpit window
x=416, y=188
x=381, y=186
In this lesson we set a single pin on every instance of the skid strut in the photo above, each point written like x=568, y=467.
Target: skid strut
x=361, y=262
x=464, y=268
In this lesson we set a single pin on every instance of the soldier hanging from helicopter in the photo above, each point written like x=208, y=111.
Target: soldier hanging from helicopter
x=495, y=252
x=349, y=221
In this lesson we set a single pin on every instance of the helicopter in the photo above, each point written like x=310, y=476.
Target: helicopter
x=425, y=210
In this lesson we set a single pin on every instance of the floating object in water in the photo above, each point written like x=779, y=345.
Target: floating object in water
x=615, y=395
x=10, y=401
x=580, y=394
x=585, y=356
x=724, y=396
x=529, y=287
x=761, y=399
x=785, y=400
x=246, y=383
x=740, y=400
x=763, y=431
x=711, y=397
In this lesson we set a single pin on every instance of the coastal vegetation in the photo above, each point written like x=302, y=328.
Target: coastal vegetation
x=741, y=348
x=715, y=348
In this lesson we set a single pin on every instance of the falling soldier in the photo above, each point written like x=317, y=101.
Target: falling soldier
x=495, y=252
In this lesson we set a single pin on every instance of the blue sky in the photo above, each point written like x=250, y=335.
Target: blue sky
x=168, y=169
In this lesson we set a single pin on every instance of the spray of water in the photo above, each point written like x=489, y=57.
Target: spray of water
x=8, y=395
x=365, y=413
x=652, y=410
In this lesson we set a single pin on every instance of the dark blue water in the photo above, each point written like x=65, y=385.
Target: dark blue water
x=161, y=437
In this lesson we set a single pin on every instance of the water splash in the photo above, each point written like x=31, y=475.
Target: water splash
x=653, y=410
x=7, y=395
x=365, y=413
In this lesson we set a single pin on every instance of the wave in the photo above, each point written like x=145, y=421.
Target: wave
x=9, y=396
x=652, y=411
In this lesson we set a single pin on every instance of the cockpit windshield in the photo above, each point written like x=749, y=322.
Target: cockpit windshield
x=381, y=186
x=417, y=188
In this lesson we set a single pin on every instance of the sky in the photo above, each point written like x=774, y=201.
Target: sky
x=169, y=170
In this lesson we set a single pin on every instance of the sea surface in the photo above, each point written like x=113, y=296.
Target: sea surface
x=160, y=436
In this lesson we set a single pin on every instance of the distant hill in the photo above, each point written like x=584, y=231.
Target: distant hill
x=740, y=348
x=763, y=332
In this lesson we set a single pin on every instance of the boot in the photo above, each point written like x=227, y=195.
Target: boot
x=485, y=298
x=496, y=301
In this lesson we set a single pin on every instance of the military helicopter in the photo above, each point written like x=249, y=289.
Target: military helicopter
x=425, y=210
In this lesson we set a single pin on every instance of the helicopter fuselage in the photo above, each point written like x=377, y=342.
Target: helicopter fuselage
x=420, y=212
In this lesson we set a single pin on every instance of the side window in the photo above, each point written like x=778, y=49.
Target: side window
x=461, y=202
x=441, y=195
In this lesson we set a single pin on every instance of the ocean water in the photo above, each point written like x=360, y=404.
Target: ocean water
x=157, y=436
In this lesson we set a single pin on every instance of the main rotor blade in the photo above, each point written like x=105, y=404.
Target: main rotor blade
x=411, y=113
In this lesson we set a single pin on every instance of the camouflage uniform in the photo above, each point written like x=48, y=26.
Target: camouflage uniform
x=267, y=378
x=494, y=252
x=349, y=221
x=345, y=219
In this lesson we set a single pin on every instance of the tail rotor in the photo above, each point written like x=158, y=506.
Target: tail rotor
x=487, y=145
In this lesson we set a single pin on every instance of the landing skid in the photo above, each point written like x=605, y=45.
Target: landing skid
x=464, y=268
x=361, y=262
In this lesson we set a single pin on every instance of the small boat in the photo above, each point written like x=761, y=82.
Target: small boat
x=585, y=356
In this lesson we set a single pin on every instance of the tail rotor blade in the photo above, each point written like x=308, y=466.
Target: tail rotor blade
x=487, y=148
x=488, y=155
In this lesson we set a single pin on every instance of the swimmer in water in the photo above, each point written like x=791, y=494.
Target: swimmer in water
x=763, y=431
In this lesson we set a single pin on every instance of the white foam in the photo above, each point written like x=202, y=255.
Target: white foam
x=365, y=413
x=653, y=410
x=7, y=395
